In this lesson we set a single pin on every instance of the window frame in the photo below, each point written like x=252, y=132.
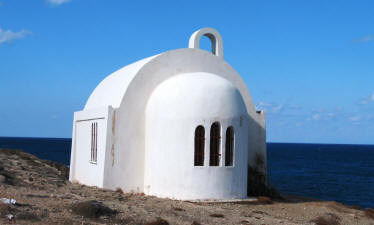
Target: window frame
x=199, y=150
x=94, y=135
x=215, y=144
x=230, y=146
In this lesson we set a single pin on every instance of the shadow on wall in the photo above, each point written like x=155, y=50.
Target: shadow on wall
x=257, y=181
x=257, y=185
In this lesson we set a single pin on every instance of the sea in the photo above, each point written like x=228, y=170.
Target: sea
x=332, y=172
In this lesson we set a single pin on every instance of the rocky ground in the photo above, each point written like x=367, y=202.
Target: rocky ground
x=44, y=196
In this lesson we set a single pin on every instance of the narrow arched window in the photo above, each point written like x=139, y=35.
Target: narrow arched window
x=215, y=138
x=199, y=145
x=229, y=152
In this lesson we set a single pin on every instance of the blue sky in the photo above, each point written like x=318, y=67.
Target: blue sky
x=309, y=64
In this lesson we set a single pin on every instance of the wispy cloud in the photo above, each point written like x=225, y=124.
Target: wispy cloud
x=8, y=35
x=364, y=39
x=355, y=118
x=58, y=2
x=321, y=116
x=366, y=100
x=270, y=107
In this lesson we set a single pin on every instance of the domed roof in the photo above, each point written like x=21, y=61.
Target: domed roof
x=132, y=85
x=199, y=94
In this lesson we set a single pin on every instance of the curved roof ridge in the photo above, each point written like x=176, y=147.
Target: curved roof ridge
x=111, y=90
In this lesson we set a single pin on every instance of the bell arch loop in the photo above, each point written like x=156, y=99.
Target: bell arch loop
x=213, y=35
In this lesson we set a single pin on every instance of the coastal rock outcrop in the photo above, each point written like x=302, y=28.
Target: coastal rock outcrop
x=43, y=195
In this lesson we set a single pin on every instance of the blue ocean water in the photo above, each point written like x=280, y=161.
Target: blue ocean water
x=342, y=173
x=55, y=149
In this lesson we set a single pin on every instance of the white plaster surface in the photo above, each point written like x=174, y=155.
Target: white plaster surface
x=174, y=110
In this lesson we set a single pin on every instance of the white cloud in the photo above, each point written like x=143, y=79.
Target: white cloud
x=316, y=116
x=363, y=102
x=364, y=39
x=263, y=104
x=8, y=35
x=366, y=100
x=277, y=108
x=58, y=2
x=355, y=118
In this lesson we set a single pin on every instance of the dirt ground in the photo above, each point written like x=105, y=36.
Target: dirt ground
x=44, y=196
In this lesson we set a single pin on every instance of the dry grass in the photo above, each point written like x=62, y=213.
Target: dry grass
x=4, y=209
x=158, y=222
x=369, y=213
x=338, y=207
x=178, y=209
x=217, y=215
x=328, y=219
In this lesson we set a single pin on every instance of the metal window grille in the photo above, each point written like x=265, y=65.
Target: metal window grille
x=94, y=142
x=215, y=139
x=199, y=145
x=229, y=147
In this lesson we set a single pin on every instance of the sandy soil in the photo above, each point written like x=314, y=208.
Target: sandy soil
x=44, y=196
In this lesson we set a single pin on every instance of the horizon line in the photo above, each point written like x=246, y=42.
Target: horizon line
x=267, y=142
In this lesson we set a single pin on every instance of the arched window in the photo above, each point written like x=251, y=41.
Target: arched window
x=215, y=138
x=229, y=152
x=199, y=146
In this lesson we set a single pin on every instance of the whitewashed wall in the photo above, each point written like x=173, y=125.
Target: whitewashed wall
x=174, y=110
x=82, y=169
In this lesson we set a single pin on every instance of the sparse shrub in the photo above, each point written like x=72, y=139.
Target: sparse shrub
x=339, y=207
x=245, y=222
x=357, y=207
x=91, y=209
x=158, y=222
x=257, y=185
x=64, y=170
x=259, y=161
x=369, y=213
x=195, y=223
x=119, y=190
x=328, y=219
x=217, y=215
x=27, y=216
x=264, y=200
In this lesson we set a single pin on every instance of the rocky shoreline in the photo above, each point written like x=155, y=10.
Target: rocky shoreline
x=43, y=195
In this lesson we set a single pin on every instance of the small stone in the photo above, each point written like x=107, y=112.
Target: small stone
x=158, y=222
x=15, y=163
x=27, y=216
x=31, y=179
x=2, y=178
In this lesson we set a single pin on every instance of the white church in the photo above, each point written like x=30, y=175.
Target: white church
x=180, y=125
